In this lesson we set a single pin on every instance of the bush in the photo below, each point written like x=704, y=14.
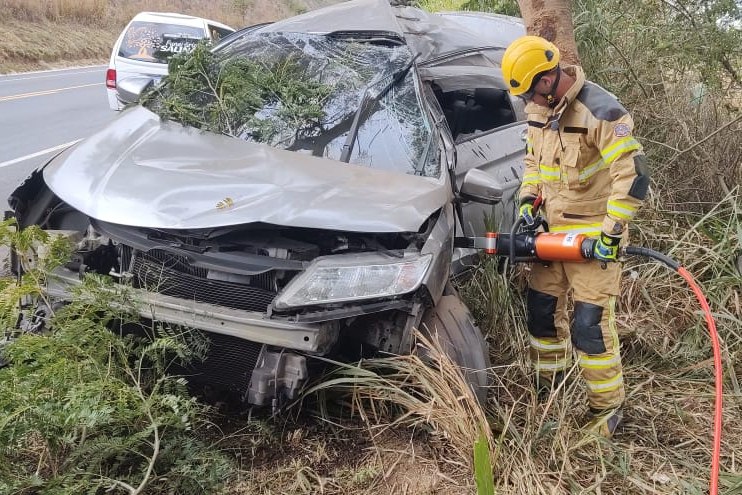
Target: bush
x=85, y=409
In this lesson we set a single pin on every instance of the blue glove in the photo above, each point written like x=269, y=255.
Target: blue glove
x=526, y=210
x=606, y=248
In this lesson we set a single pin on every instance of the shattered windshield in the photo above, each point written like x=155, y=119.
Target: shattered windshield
x=300, y=93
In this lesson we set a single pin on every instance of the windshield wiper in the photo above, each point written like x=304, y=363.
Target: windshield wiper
x=364, y=105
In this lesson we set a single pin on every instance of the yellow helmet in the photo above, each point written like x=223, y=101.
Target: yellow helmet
x=524, y=59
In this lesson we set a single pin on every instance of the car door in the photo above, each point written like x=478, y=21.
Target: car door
x=500, y=153
x=488, y=128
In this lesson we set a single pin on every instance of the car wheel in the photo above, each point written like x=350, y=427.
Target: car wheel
x=451, y=324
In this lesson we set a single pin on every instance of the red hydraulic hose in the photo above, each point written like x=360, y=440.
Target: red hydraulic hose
x=586, y=246
x=711, y=324
x=714, y=486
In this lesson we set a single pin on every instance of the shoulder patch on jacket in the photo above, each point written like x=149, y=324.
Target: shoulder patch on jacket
x=601, y=103
x=621, y=130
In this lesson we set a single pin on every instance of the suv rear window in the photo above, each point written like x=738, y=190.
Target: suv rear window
x=156, y=42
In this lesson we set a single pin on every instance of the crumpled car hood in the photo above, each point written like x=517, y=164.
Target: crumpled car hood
x=140, y=171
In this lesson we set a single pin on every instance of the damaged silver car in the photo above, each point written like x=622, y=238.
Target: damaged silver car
x=335, y=234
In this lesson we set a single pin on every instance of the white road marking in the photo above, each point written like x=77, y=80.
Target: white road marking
x=39, y=153
x=46, y=92
x=3, y=79
x=4, y=76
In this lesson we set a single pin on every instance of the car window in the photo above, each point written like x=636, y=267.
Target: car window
x=216, y=33
x=321, y=83
x=157, y=42
x=473, y=111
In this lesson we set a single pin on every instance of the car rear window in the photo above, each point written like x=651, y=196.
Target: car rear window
x=157, y=42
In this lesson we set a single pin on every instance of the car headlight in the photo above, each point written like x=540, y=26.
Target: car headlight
x=356, y=277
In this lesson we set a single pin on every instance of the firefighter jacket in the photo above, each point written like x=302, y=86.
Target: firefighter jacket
x=582, y=157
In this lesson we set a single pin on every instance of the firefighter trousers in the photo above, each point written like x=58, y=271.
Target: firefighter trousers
x=590, y=334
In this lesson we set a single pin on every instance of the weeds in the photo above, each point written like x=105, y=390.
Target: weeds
x=423, y=390
x=80, y=416
x=43, y=33
x=85, y=409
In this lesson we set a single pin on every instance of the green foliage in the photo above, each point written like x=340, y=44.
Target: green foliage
x=707, y=246
x=39, y=253
x=483, y=467
x=506, y=7
x=241, y=96
x=84, y=409
x=690, y=37
x=676, y=66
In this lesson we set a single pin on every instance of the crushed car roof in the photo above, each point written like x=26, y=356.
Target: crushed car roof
x=429, y=35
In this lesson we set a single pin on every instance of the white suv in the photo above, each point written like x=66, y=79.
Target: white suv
x=149, y=40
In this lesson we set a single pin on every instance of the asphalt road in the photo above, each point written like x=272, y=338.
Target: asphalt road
x=40, y=113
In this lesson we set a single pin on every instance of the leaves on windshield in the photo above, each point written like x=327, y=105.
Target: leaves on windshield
x=240, y=96
x=300, y=92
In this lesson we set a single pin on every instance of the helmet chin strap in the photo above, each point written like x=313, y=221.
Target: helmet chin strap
x=551, y=95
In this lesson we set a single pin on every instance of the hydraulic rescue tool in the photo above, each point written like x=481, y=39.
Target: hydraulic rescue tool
x=525, y=243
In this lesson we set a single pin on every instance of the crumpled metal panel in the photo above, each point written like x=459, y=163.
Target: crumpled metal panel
x=354, y=15
x=432, y=36
x=491, y=29
x=139, y=171
x=429, y=35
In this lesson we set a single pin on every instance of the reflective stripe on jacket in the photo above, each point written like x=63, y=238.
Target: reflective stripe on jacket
x=583, y=159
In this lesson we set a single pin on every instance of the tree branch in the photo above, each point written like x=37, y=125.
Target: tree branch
x=717, y=131
x=628, y=64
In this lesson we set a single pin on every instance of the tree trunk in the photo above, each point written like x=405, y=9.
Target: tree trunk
x=552, y=19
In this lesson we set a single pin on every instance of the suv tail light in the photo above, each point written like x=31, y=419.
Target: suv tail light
x=111, y=78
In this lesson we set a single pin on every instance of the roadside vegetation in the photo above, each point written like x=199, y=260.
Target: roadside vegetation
x=39, y=34
x=90, y=410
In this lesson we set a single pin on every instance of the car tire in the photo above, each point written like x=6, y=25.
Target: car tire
x=451, y=324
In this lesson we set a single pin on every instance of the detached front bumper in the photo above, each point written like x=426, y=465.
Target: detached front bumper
x=315, y=338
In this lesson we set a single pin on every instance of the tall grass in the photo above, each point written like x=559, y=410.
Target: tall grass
x=421, y=390
x=116, y=13
x=542, y=447
x=39, y=33
x=54, y=10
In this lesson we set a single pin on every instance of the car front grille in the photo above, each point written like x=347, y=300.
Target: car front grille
x=173, y=275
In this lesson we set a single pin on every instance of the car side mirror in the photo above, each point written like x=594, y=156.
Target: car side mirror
x=129, y=89
x=481, y=187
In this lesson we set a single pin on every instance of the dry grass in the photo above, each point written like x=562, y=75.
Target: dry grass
x=540, y=448
x=26, y=45
x=335, y=461
x=53, y=33
x=399, y=426
x=422, y=390
x=116, y=13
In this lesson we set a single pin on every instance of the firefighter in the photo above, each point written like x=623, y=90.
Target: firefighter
x=584, y=161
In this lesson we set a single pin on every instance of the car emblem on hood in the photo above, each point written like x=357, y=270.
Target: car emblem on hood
x=225, y=203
